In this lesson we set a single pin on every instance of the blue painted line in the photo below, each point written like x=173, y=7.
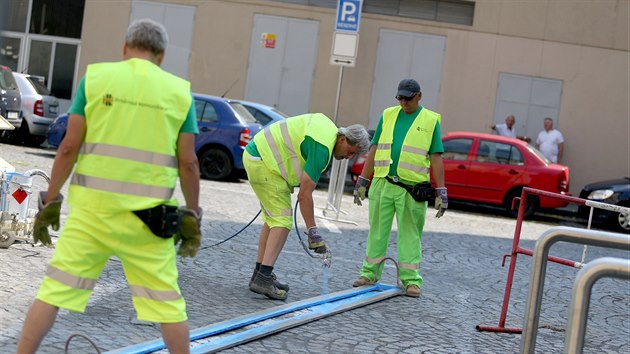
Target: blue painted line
x=246, y=320
x=315, y=312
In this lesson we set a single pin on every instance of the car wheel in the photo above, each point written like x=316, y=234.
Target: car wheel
x=35, y=140
x=623, y=221
x=215, y=164
x=530, y=206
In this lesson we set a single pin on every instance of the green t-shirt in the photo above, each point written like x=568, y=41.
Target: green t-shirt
x=79, y=102
x=403, y=123
x=315, y=154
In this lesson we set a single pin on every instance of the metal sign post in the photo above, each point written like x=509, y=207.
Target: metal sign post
x=343, y=53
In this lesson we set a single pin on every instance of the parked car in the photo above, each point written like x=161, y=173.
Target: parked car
x=39, y=109
x=225, y=128
x=57, y=130
x=10, y=101
x=264, y=114
x=617, y=192
x=493, y=169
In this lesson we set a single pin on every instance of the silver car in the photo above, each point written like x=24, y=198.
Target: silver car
x=39, y=109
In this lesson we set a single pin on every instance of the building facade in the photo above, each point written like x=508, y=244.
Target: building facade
x=476, y=61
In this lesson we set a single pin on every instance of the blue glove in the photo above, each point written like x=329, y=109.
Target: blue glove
x=441, y=201
x=360, y=189
x=48, y=215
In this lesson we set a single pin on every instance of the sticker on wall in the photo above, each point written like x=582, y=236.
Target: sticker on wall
x=268, y=40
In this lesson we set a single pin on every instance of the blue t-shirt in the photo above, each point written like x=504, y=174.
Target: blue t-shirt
x=79, y=102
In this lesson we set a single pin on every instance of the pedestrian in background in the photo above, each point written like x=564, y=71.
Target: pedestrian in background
x=131, y=134
x=550, y=142
x=507, y=129
x=287, y=154
x=407, y=144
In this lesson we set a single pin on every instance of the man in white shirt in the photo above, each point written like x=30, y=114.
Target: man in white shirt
x=508, y=129
x=550, y=142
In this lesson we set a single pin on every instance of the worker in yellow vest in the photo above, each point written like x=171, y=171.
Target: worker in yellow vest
x=407, y=145
x=131, y=135
x=287, y=154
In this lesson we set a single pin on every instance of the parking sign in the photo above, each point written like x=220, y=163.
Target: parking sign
x=348, y=15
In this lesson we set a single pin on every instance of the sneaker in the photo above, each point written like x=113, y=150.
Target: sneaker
x=278, y=284
x=362, y=281
x=412, y=290
x=265, y=286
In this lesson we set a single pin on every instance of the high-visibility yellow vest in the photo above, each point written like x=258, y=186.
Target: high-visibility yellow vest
x=279, y=143
x=133, y=114
x=414, y=161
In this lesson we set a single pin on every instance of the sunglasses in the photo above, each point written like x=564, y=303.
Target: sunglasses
x=405, y=98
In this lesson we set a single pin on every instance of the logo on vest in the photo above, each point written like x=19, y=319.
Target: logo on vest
x=108, y=100
x=422, y=129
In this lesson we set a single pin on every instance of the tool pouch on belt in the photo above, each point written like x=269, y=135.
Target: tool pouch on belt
x=420, y=192
x=163, y=220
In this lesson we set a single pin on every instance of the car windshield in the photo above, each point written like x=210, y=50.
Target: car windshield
x=41, y=89
x=243, y=113
x=7, y=82
x=532, y=148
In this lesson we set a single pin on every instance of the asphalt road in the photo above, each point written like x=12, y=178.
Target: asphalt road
x=464, y=283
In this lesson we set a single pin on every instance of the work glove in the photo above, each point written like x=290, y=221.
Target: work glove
x=48, y=215
x=315, y=240
x=189, y=232
x=360, y=190
x=441, y=201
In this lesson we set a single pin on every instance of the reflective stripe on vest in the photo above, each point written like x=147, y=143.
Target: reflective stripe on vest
x=133, y=114
x=123, y=152
x=69, y=279
x=279, y=143
x=288, y=144
x=414, y=162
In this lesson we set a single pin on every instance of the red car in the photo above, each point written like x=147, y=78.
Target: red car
x=493, y=169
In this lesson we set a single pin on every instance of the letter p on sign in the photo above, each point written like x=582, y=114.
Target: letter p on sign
x=348, y=15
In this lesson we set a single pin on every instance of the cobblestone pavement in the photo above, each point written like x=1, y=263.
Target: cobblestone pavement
x=464, y=285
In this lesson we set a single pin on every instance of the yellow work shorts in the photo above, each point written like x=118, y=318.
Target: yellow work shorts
x=89, y=239
x=272, y=190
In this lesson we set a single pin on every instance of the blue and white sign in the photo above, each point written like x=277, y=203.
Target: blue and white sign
x=348, y=15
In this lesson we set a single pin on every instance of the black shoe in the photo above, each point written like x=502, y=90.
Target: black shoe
x=265, y=286
x=278, y=284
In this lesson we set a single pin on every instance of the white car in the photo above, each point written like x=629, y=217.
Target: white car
x=39, y=109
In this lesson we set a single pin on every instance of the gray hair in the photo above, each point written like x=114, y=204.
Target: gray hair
x=356, y=135
x=148, y=35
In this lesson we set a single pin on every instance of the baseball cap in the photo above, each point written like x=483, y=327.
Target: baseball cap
x=408, y=87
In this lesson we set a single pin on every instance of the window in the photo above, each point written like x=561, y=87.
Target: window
x=205, y=112
x=46, y=18
x=13, y=15
x=452, y=11
x=9, y=52
x=493, y=152
x=456, y=149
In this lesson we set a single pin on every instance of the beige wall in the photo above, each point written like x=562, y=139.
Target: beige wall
x=584, y=43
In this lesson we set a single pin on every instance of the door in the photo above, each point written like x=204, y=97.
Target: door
x=495, y=167
x=282, y=57
x=530, y=99
x=179, y=21
x=403, y=55
x=456, y=165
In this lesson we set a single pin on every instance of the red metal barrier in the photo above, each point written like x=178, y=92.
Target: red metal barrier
x=516, y=249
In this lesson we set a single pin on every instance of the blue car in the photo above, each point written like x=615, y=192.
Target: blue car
x=264, y=114
x=225, y=128
x=57, y=130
